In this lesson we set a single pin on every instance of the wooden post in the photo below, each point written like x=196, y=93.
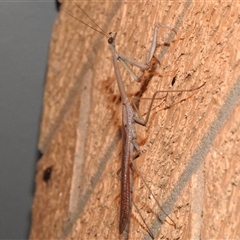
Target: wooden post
x=190, y=152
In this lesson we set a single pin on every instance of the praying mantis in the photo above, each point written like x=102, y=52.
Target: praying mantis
x=130, y=147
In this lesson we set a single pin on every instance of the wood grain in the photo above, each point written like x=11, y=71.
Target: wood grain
x=189, y=152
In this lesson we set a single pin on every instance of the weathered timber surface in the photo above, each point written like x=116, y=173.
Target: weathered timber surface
x=190, y=153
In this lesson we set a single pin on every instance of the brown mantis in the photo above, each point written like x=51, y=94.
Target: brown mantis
x=130, y=148
x=129, y=142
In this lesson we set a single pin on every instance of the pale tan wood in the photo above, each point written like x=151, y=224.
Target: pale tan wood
x=190, y=152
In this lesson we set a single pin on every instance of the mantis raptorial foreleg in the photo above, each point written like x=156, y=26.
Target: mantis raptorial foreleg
x=143, y=66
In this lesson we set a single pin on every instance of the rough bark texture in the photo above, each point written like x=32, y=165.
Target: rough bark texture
x=190, y=153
